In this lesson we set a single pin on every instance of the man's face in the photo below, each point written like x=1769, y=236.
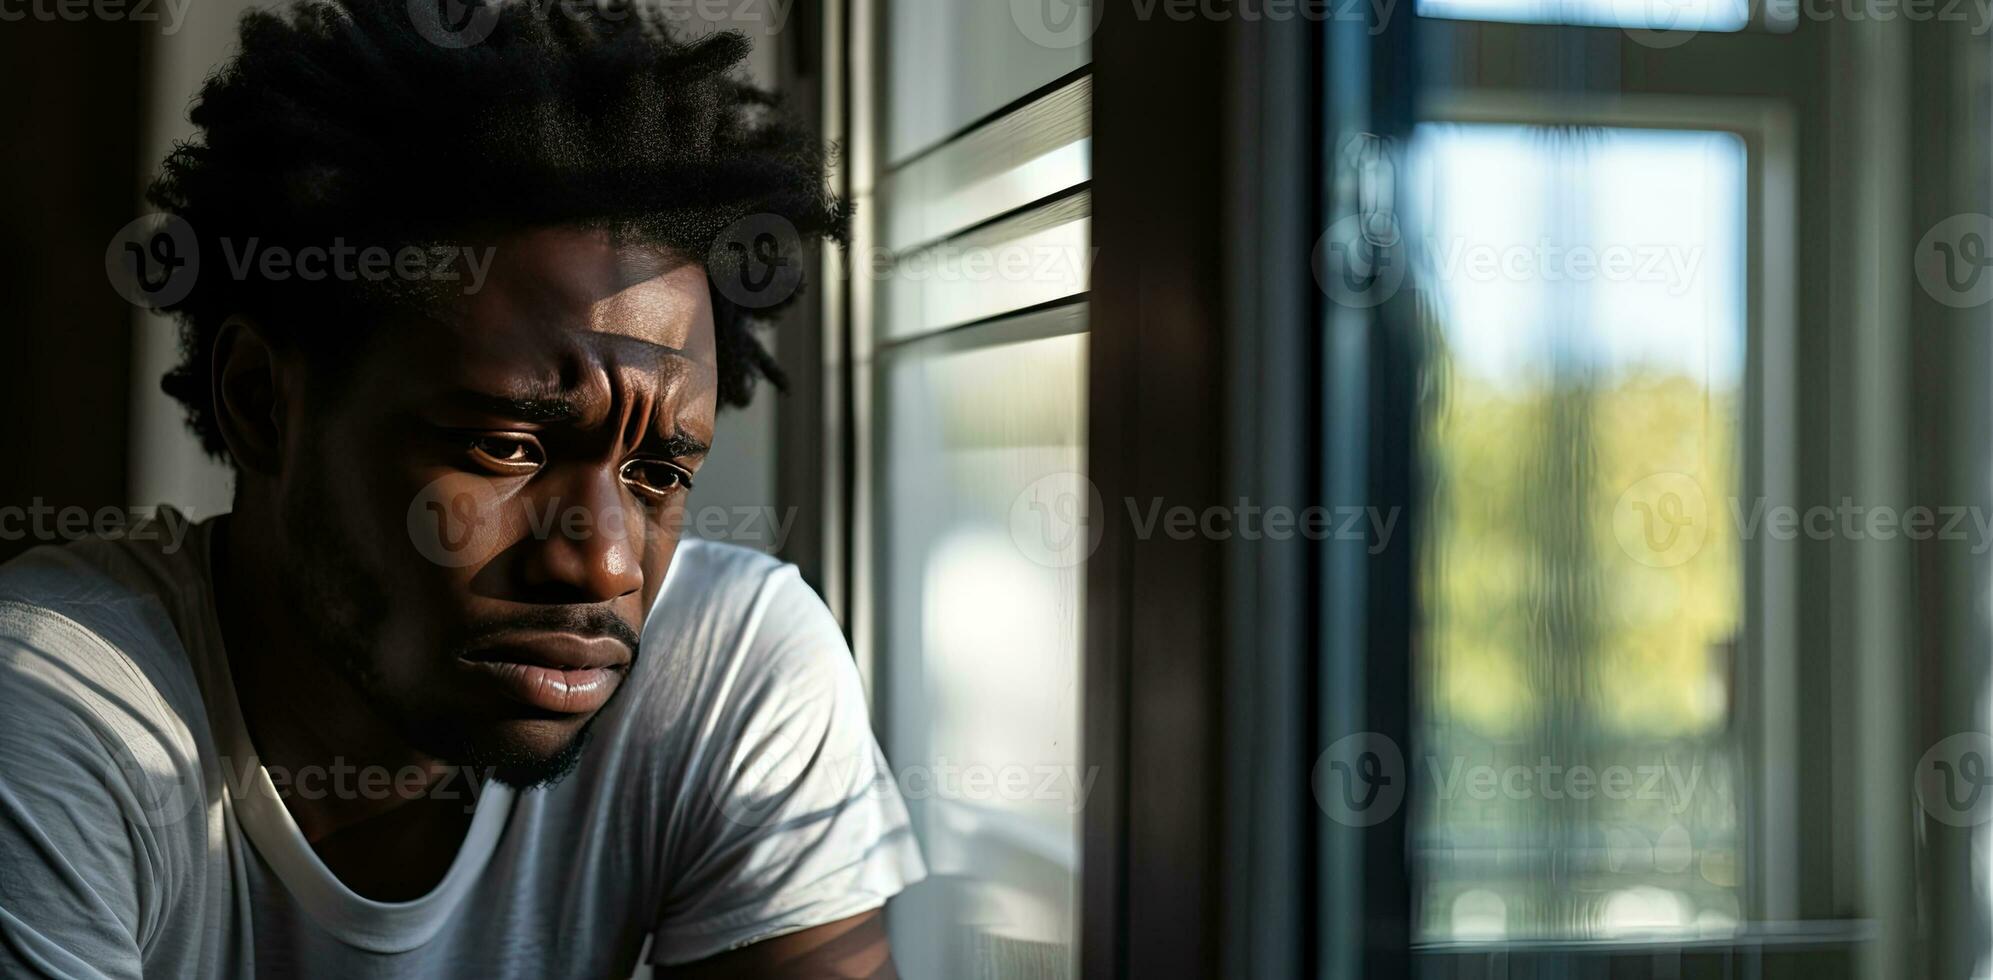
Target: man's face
x=483, y=511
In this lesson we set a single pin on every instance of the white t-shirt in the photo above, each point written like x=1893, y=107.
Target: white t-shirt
x=731, y=792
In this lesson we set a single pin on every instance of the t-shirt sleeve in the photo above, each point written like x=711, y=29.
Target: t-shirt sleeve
x=71, y=898
x=795, y=821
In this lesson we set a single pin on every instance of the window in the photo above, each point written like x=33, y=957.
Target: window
x=969, y=349
x=984, y=442
x=1582, y=578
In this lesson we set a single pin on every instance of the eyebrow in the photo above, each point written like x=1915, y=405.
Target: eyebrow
x=554, y=408
x=533, y=407
x=678, y=445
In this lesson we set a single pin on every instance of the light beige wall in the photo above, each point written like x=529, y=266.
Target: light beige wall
x=167, y=466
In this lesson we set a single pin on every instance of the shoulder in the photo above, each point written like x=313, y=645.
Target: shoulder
x=715, y=573
x=782, y=814
x=101, y=774
x=91, y=665
x=85, y=605
x=736, y=644
x=731, y=608
x=735, y=641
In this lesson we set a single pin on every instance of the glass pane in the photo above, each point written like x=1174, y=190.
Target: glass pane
x=1582, y=582
x=1026, y=260
x=983, y=539
x=949, y=63
x=1028, y=155
x=1664, y=15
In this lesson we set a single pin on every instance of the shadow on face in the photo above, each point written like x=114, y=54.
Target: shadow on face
x=484, y=509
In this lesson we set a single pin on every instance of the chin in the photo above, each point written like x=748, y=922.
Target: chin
x=524, y=754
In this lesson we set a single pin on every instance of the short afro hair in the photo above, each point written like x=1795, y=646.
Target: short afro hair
x=344, y=120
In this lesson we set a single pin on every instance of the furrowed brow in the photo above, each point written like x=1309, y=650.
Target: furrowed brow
x=678, y=445
x=545, y=409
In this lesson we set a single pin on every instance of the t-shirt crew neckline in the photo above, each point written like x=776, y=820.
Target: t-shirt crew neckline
x=379, y=927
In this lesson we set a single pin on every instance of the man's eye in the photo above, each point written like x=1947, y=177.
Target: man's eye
x=507, y=455
x=656, y=477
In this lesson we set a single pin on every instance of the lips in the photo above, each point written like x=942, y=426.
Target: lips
x=563, y=673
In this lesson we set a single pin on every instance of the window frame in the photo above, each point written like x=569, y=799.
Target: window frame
x=858, y=346
x=1351, y=899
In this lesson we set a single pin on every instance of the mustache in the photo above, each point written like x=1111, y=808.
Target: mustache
x=586, y=621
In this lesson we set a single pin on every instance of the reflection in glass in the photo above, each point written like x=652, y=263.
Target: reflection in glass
x=949, y=63
x=984, y=540
x=1658, y=15
x=1581, y=578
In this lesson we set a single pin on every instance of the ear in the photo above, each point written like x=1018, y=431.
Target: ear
x=248, y=395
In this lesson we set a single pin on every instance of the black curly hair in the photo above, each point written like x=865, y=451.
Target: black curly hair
x=345, y=121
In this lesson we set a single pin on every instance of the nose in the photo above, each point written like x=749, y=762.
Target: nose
x=587, y=546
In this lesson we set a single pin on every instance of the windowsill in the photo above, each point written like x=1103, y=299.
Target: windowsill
x=1765, y=937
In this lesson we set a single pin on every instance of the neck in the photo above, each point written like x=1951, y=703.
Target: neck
x=337, y=763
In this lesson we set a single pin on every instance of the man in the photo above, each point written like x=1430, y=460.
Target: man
x=445, y=694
